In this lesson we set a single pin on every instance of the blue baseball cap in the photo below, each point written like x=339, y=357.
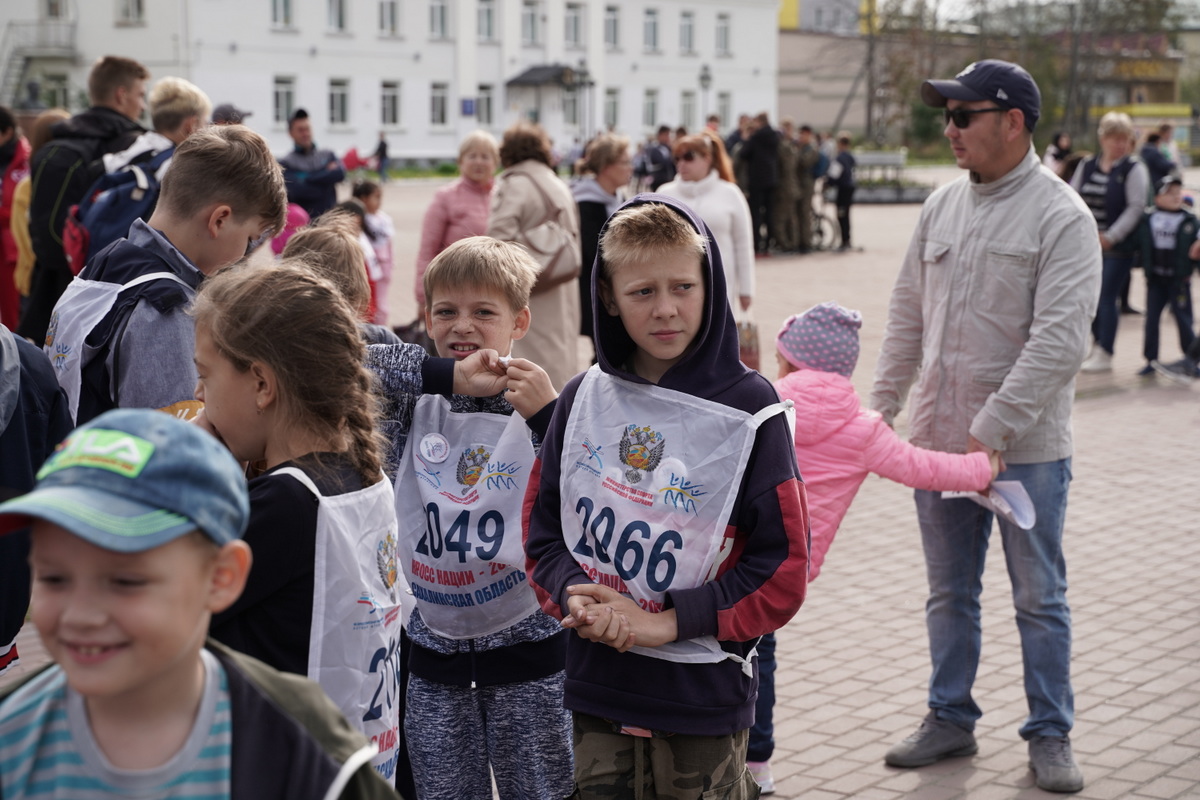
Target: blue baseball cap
x=1006, y=84
x=134, y=479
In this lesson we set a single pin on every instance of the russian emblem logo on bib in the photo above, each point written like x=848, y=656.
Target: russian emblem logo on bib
x=641, y=450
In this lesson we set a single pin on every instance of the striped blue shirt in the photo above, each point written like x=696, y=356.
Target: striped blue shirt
x=47, y=749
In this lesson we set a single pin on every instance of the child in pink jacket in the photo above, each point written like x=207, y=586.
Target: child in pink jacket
x=838, y=443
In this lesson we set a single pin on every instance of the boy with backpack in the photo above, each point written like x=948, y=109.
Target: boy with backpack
x=64, y=169
x=130, y=187
x=120, y=336
x=136, y=541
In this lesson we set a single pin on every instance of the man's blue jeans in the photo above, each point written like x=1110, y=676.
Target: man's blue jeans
x=1108, y=312
x=955, y=537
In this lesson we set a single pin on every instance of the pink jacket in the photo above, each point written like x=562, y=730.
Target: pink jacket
x=838, y=442
x=459, y=210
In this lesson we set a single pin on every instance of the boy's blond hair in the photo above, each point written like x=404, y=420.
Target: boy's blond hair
x=486, y=263
x=228, y=164
x=330, y=248
x=173, y=100
x=644, y=233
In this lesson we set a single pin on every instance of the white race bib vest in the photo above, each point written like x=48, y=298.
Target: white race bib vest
x=649, y=478
x=459, y=492
x=85, y=303
x=354, y=644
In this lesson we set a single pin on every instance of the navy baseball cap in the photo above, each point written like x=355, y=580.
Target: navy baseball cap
x=134, y=479
x=1006, y=84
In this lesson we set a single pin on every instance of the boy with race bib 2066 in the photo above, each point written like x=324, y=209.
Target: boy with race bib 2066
x=667, y=523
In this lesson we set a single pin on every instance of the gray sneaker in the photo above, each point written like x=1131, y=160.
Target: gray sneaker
x=934, y=740
x=1052, y=763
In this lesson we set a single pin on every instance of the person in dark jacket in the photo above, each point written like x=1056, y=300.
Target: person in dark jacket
x=670, y=673
x=760, y=153
x=33, y=419
x=607, y=168
x=1156, y=161
x=841, y=176
x=311, y=174
x=64, y=169
x=136, y=540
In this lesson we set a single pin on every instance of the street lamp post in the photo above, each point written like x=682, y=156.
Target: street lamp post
x=583, y=82
x=705, y=85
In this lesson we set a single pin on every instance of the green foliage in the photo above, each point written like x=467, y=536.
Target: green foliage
x=925, y=124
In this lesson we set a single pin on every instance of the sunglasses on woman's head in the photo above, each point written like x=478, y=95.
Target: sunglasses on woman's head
x=690, y=155
x=961, y=117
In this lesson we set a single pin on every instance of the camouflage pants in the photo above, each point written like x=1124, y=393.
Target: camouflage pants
x=610, y=765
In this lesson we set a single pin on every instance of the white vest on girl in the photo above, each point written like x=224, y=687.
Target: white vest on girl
x=648, y=481
x=459, y=492
x=354, y=644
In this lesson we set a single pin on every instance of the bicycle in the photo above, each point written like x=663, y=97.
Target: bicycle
x=824, y=230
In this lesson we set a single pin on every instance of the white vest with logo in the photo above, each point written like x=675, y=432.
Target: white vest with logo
x=459, y=492
x=354, y=644
x=648, y=481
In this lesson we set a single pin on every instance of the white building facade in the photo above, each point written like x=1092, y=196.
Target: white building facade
x=424, y=72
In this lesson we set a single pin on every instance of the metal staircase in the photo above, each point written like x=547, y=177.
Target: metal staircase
x=24, y=42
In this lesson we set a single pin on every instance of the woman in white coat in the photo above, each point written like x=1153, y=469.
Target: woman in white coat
x=704, y=181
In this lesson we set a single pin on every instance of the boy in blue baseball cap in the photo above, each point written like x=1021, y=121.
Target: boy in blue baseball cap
x=136, y=523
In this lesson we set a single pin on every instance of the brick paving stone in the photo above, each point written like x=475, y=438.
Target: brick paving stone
x=1164, y=788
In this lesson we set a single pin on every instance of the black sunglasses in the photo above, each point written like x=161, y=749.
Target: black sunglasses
x=690, y=155
x=961, y=117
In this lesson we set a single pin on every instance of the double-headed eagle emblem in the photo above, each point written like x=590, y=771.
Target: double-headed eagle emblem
x=641, y=449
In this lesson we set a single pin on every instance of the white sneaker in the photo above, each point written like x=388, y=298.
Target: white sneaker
x=1099, y=361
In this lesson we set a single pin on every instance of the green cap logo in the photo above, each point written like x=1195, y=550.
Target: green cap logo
x=115, y=451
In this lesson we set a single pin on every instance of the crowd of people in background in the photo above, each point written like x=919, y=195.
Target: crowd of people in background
x=461, y=542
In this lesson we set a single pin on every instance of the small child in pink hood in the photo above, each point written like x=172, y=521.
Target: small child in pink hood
x=838, y=443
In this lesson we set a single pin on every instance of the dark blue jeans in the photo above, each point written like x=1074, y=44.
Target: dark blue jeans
x=1108, y=313
x=1163, y=292
x=762, y=734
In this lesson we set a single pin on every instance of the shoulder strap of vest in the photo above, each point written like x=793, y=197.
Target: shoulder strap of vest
x=301, y=476
x=153, y=276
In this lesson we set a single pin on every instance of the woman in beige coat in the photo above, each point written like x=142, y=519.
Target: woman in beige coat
x=531, y=205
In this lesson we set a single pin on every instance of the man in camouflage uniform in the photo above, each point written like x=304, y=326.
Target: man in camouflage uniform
x=807, y=156
x=787, y=192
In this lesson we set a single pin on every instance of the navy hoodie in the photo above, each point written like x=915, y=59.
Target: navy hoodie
x=758, y=588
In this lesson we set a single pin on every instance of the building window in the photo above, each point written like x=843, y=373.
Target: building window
x=612, y=27
x=687, y=32
x=281, y=13
x=573, y=35
x=486, y=20
x=285, y=99
x=56, y=91
x=389, y=103
x=439, y=19
x=650, y=30
x=722, y=34
x=337, y=16
x=389, y=17
x=339, y=101
x=570, y=106
x=484, y=113
x=439, y=100
x=725, y=107
x=54, y=9
x=687, y=110
x=530, y=21
x=612, y=108
x=650, y=108
x=131, y=12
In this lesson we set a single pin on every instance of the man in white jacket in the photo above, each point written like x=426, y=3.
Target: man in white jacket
x=989, y=318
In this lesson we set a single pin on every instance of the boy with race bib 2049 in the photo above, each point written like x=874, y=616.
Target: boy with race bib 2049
x=667, y=523
x=486, y=669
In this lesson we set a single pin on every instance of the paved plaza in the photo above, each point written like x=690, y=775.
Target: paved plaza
x=854, y=663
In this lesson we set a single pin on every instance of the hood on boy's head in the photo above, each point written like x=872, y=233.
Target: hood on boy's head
x=711, y=364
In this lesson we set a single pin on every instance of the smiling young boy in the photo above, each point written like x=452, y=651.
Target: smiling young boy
x=666, y=521
x=120, y=338
x=486, y=668
x=136, y=526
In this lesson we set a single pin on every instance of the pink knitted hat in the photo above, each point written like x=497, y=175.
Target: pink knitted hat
x=824, y=338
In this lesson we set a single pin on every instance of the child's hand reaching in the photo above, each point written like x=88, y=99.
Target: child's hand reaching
x=529, y=387
x=481, y=374
x=996, y=462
